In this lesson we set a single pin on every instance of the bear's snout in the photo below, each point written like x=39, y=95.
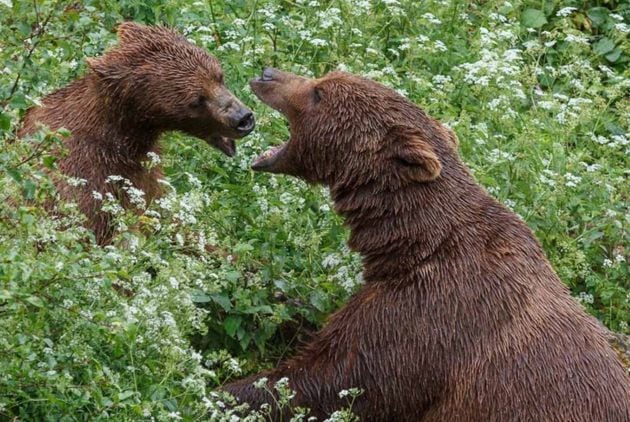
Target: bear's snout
x=244, y=121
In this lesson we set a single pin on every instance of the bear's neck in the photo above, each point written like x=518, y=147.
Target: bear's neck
x=396, y=230
x=96, y=113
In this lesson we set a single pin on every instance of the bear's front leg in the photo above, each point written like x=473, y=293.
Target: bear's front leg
x=268, y=388
x=342, y=356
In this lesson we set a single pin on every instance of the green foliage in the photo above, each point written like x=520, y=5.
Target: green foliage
x=213, y=280
x=533, y=18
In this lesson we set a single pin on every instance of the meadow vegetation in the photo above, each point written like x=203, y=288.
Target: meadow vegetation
x=224, y=274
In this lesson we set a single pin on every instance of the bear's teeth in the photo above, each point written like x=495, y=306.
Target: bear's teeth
x=270, y=152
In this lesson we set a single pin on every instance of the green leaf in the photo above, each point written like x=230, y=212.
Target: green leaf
x=614, y=55
x=15, y=175
x=223, y=300
x=243, y=247
x=262, y=309
x=244, y=341
x=35, y=301
x=200, y=297
x=533, y=18
x=18, y=100
x=598, y=16
x=614, y=128
x=125, y=395
x=170, y=404
x=158, y=392
x=606, y=294
x=233, y=276
x=603, y=46
x=318, y=300
x=63, y=132
x=591, y=237
x=231, y=324
x=546, y=80
x=6, y=294
x=28, y=189
x=49, y=161
x=107, y=402
x=5, y=122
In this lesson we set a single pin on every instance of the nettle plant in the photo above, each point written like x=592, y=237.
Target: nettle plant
x=225, y=273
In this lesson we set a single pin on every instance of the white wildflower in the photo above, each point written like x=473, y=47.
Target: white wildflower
x=509, y=203
x=115, y=178
x=318, y=42
x=136, y=196
x=329, y=18
x=175, y=415
x=422, y=39
x=154, y=158
x=193, y=180
x=566, y=11
x=572, y=180
x=578, y=39
x=173, y=282
x=440, y=46
x=431, y=18
x=76, y=181
x=591, y=168
x=194, y=355
x=331, y=261
x=622, y=27
x=234, y=366
x=585, y=298
x=498, y=155
x=260, y=382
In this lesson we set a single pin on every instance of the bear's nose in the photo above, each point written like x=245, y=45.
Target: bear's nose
x=267, y=74
x=246, y=123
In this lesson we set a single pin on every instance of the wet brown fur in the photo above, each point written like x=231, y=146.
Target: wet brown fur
x=461, y=318
x=145, y=86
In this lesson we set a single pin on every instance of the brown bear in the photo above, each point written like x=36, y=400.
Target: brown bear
x=461, y=317
x=154, y=81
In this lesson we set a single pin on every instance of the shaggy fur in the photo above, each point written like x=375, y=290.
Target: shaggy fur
x=154, y=81
x=461, y=317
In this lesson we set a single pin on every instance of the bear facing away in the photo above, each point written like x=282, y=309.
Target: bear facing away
x=154, y=81
x=461, y=317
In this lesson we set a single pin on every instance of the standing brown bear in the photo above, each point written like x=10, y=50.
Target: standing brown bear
x=461, y=317
x=154, y=81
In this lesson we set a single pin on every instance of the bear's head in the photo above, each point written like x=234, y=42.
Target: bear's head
x=161, y=81
x=350, y=131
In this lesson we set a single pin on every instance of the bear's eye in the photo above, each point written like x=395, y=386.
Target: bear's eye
x=199, y=102
x=317, y=95
x=220, y=78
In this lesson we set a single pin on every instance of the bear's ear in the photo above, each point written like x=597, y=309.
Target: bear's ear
x=131, y=32
x=104, y=69
x=97, y=66
x=416, y=161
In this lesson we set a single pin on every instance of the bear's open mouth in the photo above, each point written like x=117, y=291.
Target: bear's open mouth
x=269, y=158
x=224, y=144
